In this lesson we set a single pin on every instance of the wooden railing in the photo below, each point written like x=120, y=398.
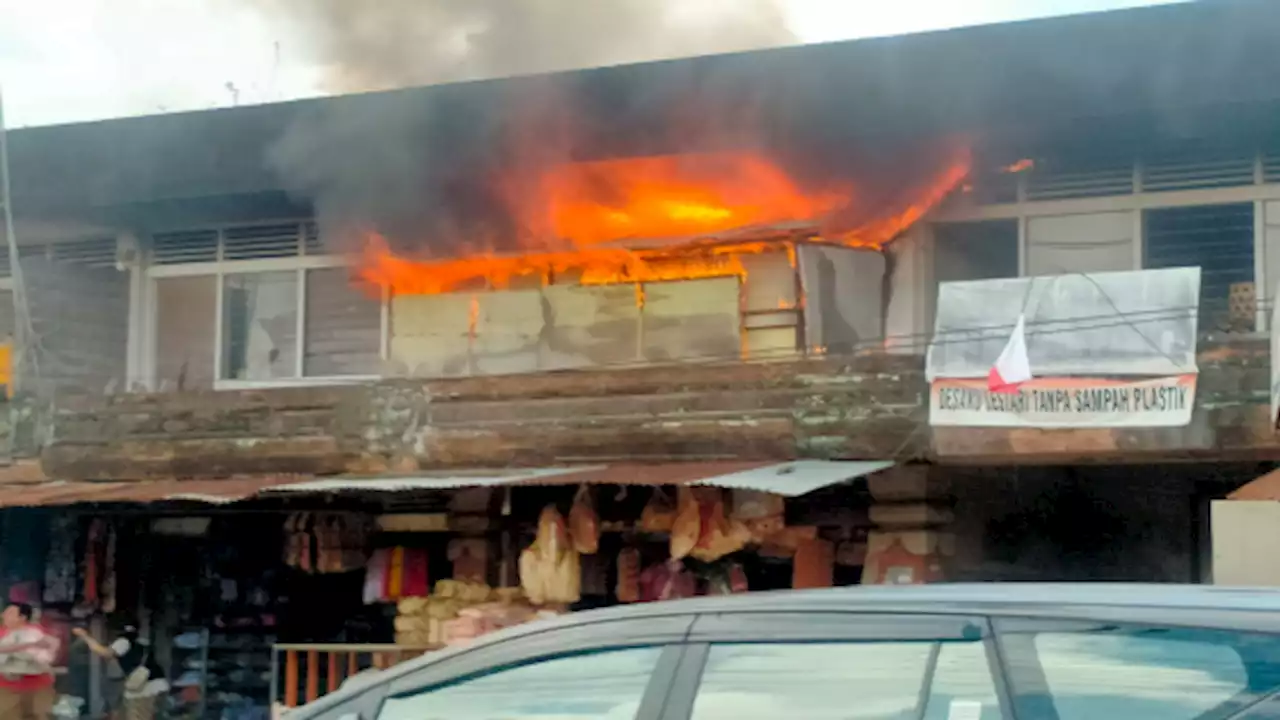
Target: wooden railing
x=300, y=673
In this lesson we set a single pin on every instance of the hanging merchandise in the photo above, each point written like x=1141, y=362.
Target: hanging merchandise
x=763, y=514
x=416, y=582
x=375, y=576
x=659, y=514
x=550, y=568
x=326, y=542
x=92, y=593
x=109, y=584
x=595, y=575
x=60, y=561
x=470, y=558
x=726, y=578
x=297, y=545
x=701, y=530
x=395, y=573
x=584, y=524
x=628, y=589
x=814, y=565
x=667, y=581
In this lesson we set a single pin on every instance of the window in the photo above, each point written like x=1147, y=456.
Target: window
x=1219, y=240
x=287, y=310
x=605, y=685
x=185, y=312
x=1141, y=673
x=962, y=685
x=975, y=250
x=260, y=326
x=343, y=334
x=844, y=681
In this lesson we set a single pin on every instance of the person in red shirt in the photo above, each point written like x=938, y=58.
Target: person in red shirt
x=26, y=666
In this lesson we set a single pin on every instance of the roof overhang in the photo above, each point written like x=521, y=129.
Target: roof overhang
x=791, y=479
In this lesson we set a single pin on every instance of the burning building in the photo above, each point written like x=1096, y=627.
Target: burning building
x=689, y=269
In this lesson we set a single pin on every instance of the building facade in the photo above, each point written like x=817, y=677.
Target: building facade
x=184, y=317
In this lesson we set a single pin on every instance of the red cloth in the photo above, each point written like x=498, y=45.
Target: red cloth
x=24, y=683
x=416, y=582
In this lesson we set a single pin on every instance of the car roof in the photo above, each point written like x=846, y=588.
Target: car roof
x=960, y=598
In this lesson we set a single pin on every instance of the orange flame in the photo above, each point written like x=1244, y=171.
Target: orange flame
x=581, y=212
x=1022, y=165
x=674, y=196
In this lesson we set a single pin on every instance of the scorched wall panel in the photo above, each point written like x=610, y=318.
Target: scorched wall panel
x=508, y=327
x=431, y=335
x=688, y=319
x=590, y=326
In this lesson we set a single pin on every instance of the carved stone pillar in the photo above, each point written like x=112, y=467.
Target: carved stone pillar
x=911, y=514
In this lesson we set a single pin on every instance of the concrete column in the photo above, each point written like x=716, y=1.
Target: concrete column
x=911, y=541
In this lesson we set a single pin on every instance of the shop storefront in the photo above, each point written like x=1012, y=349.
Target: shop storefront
x=274, y=591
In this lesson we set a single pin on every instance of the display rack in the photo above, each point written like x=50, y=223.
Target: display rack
x=188, y=697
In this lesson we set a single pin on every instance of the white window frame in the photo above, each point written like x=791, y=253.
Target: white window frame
x=1137, y=203
x=218, y=270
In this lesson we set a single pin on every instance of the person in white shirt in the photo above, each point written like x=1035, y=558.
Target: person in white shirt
x=129, y=694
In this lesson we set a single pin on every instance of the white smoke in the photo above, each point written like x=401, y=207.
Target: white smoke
x=382, y=44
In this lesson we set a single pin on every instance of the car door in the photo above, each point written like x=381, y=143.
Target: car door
x=613, y=670
x=838, y=666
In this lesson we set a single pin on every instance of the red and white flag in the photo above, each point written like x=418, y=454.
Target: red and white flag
x=1013, y=367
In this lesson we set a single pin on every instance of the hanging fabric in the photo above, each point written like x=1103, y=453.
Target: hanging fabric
x=375, y=576
x=109, y=583
x=60, y=561
x=92, y=594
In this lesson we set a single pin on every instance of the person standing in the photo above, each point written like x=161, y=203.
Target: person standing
x=134, y=681
x=26, y=666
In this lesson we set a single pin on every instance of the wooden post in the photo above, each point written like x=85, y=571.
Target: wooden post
x=291, y=678
x=313, y=675
x=333, y=672
x=353, y=666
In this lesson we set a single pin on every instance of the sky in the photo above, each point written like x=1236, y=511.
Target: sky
x=78, y=60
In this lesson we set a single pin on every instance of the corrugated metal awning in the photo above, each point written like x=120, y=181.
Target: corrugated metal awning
x=793, y=478
x=57, y=493
x=789, y=478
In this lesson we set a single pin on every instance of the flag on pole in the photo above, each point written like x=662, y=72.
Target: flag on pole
x=1013, y=367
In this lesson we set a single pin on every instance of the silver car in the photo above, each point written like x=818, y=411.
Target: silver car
x=939, y=652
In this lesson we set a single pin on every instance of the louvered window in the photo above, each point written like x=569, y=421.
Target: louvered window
x=1271, y=167
x=98, y=253
x=1196, y=172
x=253, y=242
x=262, y=241
x=1062, y=183
x=311, y=240
x=184, y=247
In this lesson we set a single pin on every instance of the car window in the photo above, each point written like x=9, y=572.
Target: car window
x=601, y=686
x=962, y=685
x=828, y=681
x=1141, y=673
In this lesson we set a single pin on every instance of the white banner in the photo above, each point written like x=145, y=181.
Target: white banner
x=1065, y=403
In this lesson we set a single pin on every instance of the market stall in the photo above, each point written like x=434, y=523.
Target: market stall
x=283, y=594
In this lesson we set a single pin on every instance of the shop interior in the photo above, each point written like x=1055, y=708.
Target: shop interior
x=215, y=588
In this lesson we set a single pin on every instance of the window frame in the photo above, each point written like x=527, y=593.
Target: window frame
x=301, y=264
x=550, y=643
x=831, y=627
